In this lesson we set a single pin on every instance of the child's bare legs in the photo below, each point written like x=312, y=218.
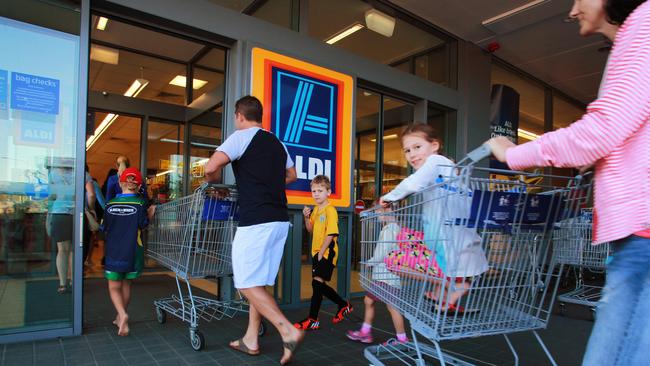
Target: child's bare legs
x=369, y=310
x=398, y=320
x=115, y=290
x=126, y=299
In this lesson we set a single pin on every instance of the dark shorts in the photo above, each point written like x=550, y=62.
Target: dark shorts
x=60, y=227
x=323, y=268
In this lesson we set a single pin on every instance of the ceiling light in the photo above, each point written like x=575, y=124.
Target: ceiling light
x=163, y=173
x=379, y=22
x=387, y=137
x=104, y=54
x=106, y=122
x=512, y=12
x=171, y=140
x=136, y=87
x=527, y=134
x=344, y=33
x=101, y=23
x=200, y=144
x=180, y=80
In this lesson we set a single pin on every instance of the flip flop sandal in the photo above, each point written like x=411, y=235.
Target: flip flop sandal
x=241, y=347
x=291, y=346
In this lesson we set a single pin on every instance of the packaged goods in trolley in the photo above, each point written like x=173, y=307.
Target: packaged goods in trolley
x=572, y=247
x=470, y=256
x=192, y=236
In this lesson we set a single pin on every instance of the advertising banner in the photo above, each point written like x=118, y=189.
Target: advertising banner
x=504, y=116
x=309, y=108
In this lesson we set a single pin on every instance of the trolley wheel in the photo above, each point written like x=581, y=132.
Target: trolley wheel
x=262, y=329
x=593, y=313
x=161, y=315
x=197, y=340
x=562, y=308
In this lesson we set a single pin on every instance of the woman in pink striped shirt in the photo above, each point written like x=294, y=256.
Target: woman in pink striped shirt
x=614, y=136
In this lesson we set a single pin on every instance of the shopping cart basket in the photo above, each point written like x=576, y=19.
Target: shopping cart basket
x=192, y=236
x=489, y=240
x=572, y=247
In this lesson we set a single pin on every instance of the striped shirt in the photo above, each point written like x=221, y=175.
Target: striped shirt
x=614, y=135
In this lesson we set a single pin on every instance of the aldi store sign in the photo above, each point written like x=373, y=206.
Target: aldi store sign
x=309, y=108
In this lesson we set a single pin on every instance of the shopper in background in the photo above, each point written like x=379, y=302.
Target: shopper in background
x=614, y=137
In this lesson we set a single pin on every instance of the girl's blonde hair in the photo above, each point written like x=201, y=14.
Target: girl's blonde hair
x=122, y=163
x=429, y=133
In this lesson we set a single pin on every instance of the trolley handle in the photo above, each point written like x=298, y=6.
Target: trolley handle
x=476, y=155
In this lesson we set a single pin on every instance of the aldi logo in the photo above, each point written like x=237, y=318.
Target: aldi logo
x=309, y=108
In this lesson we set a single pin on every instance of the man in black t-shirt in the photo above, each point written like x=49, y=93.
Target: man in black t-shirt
x=262, y=168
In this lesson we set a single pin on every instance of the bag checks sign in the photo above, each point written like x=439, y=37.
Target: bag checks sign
x=309, y=108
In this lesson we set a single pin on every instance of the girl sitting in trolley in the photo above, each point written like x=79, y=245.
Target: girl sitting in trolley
x=448, y=254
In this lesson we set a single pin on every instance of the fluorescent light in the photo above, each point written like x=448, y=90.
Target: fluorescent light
x=106, y=122
x=527, y=134
x=171, y=140
x=387, y=137
x=136, y=87
x=104, y=54
x=204, y=145
x=180, y=80
x=511, y=12
x=165, y=172
x=201, y=162
x=344, y=33
x=101, y=23
x=379, y=22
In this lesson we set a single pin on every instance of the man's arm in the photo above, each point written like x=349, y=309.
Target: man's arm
x=214, y=166
x=291, y=175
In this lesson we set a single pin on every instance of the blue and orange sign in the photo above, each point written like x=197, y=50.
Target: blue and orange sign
x=309, y=108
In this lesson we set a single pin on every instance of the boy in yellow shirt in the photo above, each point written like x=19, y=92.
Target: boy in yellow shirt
x=322, y=222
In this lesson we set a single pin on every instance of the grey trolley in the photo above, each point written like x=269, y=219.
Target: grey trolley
x=192, y=236
x=572, y=247
x=468, y=218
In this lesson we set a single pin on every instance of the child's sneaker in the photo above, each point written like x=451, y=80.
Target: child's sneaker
x=308, y=324
x=347, y=309
x=395, y=342
x=357, y=335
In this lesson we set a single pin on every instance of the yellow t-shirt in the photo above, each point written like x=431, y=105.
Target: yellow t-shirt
x=325, y=222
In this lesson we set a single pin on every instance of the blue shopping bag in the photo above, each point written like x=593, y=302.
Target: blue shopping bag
x=221, y=210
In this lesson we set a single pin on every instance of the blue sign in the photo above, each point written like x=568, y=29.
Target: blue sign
x=3, y=90
x=221, y=210
x=303, y=116
x=34, y=93
x=504, y=116
x=37, y=132
x=504, y=208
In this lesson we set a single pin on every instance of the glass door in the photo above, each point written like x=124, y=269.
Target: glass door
x=39, y=169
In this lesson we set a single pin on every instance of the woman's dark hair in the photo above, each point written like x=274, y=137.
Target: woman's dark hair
x=250, y=107
x=618, y=10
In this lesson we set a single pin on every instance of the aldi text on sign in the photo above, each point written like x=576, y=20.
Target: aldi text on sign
x=309, y=108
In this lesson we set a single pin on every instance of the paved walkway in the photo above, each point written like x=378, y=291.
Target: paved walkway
x=151, y=343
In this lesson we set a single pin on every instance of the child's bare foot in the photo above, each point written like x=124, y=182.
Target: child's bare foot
x=291, y=346
x=123, y=325
x=116, y=321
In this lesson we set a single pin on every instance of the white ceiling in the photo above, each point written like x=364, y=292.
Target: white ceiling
x=536, y=41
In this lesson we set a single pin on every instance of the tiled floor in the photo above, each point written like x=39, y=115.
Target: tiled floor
x=151, y=343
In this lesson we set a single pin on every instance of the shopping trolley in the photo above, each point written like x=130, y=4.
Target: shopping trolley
x=192, y=236
x=465, y=219
x=572, y=247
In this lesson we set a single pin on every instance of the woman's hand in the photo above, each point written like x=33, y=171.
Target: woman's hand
x=384, y=204
x=499, y=145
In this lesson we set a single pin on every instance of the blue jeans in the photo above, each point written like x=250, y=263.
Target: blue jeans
x=621, y=333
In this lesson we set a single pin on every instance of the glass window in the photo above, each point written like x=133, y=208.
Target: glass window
x=438, y=118
x=165, y=161
x=397, y=114
x=203, y=141
x=39, y=81
x=328, y=19
x=367, y=119
x=531, y=102
x=565, y=113
x=121, y=136
x=206, y=81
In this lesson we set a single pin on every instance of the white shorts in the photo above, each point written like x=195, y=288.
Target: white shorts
x=256, y=253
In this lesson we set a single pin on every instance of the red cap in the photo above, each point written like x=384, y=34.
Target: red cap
x=131, y=172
